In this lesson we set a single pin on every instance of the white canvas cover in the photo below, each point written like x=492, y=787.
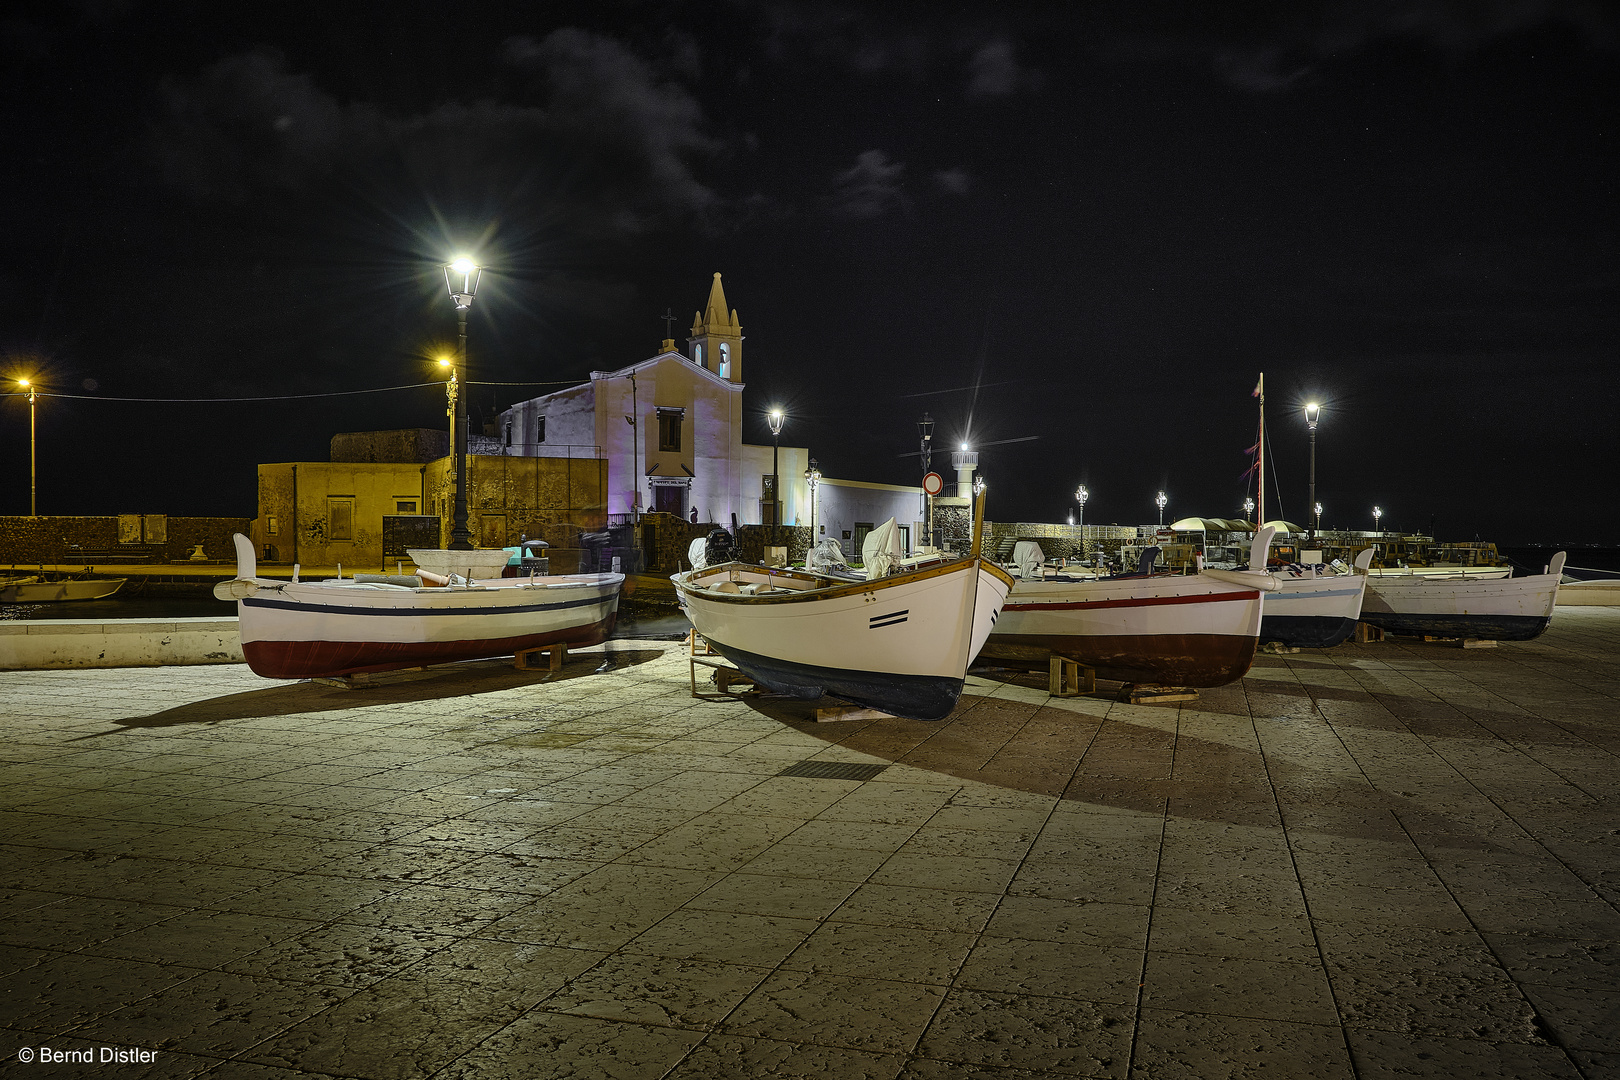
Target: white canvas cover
x=697, y=553
x=1028, y=558
x=881, y=550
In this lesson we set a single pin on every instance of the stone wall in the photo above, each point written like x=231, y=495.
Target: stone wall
x=91, y=540
x=1058, y=541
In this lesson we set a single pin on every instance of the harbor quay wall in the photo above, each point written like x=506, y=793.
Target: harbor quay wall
x=46, y=644
x=1059, y=541
x=117, y=538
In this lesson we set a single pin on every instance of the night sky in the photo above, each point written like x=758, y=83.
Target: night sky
x=1084, y=226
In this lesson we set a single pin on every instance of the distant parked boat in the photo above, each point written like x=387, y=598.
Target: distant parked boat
x=1499, y=609
x=900, y=643
x=39, y=590
x=1179, y=630
x=303, y=630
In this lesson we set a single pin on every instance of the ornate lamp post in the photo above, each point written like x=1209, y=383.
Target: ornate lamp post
x=1161, y=500
x=1080, y=496
x=33, y=473
x=461, y=277
x=776, y=419
x=812, y=476
x=1312, y=412
x=925, y=433
x=1377, y=513
x=1318, y=516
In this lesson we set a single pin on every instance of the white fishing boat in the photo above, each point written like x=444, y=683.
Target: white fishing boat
x=35, y=589
x=1496, y=609
x=1178, y=630
x=897, y=642
x=1315, y=608
x=315, y=629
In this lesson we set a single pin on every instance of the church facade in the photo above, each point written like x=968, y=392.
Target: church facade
x=670, y=428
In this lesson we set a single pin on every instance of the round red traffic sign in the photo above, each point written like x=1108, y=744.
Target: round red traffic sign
x=933, y=484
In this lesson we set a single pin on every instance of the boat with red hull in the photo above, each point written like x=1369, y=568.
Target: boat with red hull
x=1195, y=630
x=318, y=629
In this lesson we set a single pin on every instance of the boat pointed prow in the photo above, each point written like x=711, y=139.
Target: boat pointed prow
x=1261, y=546
x=1556, y=567
x=247, y=570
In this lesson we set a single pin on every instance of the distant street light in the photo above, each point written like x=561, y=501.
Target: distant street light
x=1318, y=517
x=776, y=419
x=33, y=487
x=1248, y=509
x=1377, y=513
x=461, y=277
x=1080, y=496
x=812, y=476
x=1312, y=412
x=1161, y=500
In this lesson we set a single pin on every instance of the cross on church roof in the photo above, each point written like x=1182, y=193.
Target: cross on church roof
x=669, y=323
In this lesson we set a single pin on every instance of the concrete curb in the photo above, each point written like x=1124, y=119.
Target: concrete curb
x=44, y=644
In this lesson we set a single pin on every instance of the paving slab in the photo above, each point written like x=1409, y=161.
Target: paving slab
x=1387, y=859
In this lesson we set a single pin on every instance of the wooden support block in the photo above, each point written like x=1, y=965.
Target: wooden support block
x=724, y=675
x=698, y=645
x=1366, y=632
x=1063, y=678
x=850, y=712
x=358, y=681
x=557, y=655
x=1147, y=694
x=1478, y=643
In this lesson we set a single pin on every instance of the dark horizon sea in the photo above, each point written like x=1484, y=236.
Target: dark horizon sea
x=1580, y=562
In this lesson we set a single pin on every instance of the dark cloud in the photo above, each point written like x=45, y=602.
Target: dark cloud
x=871, y=188
x=954, y=181
x=994, y=71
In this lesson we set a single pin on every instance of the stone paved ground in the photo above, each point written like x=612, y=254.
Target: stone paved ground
x=1383, y=860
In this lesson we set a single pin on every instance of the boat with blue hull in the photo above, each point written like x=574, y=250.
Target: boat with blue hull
x=1500, y=609
x=900, y=643
x=1314, y=608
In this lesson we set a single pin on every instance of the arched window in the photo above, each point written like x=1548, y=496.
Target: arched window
x=725, y=360
x=697, y=354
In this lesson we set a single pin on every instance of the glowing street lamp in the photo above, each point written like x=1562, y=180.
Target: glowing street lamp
x=1161, y=500
x=33, y=487
x=1080, y=496
x=1312, y=412
x=1318, y=517
x=775, y=419
x=461, y=278
x=1377, y=513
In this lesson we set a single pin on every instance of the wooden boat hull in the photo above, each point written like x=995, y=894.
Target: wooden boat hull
x=1313, y=612
x=1179, y=631
x=314, y=630
x=52, y=592
x=1504, y=609
x=901, y=644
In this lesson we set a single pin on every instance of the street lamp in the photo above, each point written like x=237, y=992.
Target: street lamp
x=812, y=476
x=1318, y=517
x=1312, y=412
x=461, y=278
x=1080, y=496
x=1161, y=500
x=1377, y=513
x=33, y=487
x=776, y=433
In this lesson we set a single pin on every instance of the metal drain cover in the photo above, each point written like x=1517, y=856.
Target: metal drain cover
x=833, y=770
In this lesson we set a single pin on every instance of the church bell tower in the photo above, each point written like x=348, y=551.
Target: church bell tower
x=716, y=341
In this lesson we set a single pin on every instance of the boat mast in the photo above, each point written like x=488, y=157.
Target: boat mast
x=1260, y=392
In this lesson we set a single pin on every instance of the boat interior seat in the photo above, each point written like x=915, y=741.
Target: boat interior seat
x=725, y=587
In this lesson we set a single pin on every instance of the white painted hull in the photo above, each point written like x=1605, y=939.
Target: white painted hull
x=1193, y=630
x=1313, y=611
x=901, y=644
x=1505, y=609
x=51, y=592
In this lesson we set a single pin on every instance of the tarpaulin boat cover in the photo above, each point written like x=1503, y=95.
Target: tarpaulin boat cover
x=1028, y=558
x=696, y=553
x=827, y=557
x=881, y=550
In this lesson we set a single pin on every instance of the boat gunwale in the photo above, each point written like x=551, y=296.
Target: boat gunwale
x=827, y=592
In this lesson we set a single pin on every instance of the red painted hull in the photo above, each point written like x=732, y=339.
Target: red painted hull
x=325, y=659
x=1170, y=659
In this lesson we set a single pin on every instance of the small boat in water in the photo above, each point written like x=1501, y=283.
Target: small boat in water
x=897, y=642
x=1178, y=630
x=36, y=589
x=318, y=629
x=1496, y=609
x=1312, y=609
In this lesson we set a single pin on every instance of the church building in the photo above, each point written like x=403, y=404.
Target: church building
x=670, y=428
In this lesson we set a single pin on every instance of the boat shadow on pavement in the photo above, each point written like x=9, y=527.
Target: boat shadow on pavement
x=390, y=688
